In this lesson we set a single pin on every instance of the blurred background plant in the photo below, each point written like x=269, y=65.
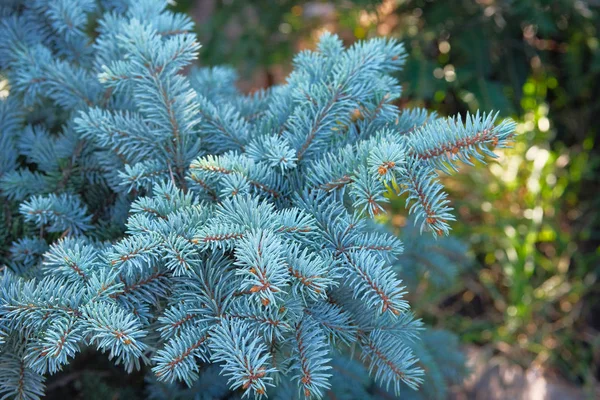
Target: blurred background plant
x=532, y=290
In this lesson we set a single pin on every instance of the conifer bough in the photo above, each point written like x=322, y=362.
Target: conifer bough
x=200, y=233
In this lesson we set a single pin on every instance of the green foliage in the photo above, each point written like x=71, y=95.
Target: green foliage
x=534, y=218
x=256, y=34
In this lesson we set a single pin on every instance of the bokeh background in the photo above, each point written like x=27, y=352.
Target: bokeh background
x=528, y=303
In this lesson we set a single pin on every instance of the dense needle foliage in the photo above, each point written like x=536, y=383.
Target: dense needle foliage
x=209, y=237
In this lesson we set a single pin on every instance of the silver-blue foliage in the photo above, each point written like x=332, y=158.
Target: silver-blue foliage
x=181, y=226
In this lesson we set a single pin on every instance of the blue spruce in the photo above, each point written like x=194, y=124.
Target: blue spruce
x=212, y=238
